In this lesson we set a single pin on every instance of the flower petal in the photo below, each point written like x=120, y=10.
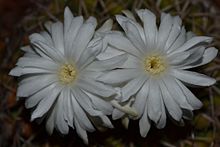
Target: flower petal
x=81, y=132
x=129, y=14
x=164, y=30
x=118, y=76
x=174, y=33
x=141, y=100
x=107, y=26
x=79, y=113
x=150, y=27
x=171, y=106
x=176, y=92
x=85, y=102
x=208, y=56
x=192, y=100
x=154, y=102
x=144, y=124
x=68, y=17
x=46, y=103
x=34, y=99
x=133, y=30
x=134, y=36
x=100, y=104
x=60, y=122
x=83, y=37
x=71, y=33
x=116, y=114
x=180, y=40
x=108, y=64
x=122, y=43
x=30, y=85
x=51, y=120
x=96, y=87
x=37, y=63
x=57, y=36
x=193, y=77
x=193, y=42
x=132, y=87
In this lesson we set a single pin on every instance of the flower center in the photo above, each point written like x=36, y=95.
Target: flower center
x=67, y=73
x=154, y=64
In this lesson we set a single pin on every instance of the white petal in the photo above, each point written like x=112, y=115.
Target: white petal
x=150, y=27
x=48, y=51
x=108, y=64
x=106, y=122
x=122, y=43
x=132, y=62
x=80, y=115
x=16, y=71
x=34, y=99
x=100, y=104
x=68, y=17
x=85, y=102
x=70, y=35
x=135, y=32
x=116, y=114
x=208, y=56
x=48, y=38
x=193, y=42
x=50, y=121
x=190, y=35
x=57, y=36
x=141, y=99
x=176, y=92
x=193, y=77
x=27, y=49
x=96, y=87
x=34, y=71
x=37, y=63
x=107, y=26
x=164, y=30
x=171, y=106
x=162, y=121
x=154, y=102
x=61, y=124
x=195, y=55
x=134, y=36
x=180, y=40
x=81, y=132
x=174, y=33
x=109, y=53
x=68, y=107
x=129, y=14
x=192, y=100
x=90, y=53
x=46, y=103
x=178, y=58
x=144, y=124
x=30, y=85
x=84, y=36
x=132, y=87
x=118, y=76
x=47, y=25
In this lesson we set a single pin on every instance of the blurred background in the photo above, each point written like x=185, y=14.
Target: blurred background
x=20, y=18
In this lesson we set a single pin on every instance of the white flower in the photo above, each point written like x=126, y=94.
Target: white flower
x=58, y=74
x=157, y=67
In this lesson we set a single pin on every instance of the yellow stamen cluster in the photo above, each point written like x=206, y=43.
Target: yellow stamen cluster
x=67, y=73
x=154, y=64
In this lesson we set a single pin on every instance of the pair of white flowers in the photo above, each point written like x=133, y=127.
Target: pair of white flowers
x=74, y=76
